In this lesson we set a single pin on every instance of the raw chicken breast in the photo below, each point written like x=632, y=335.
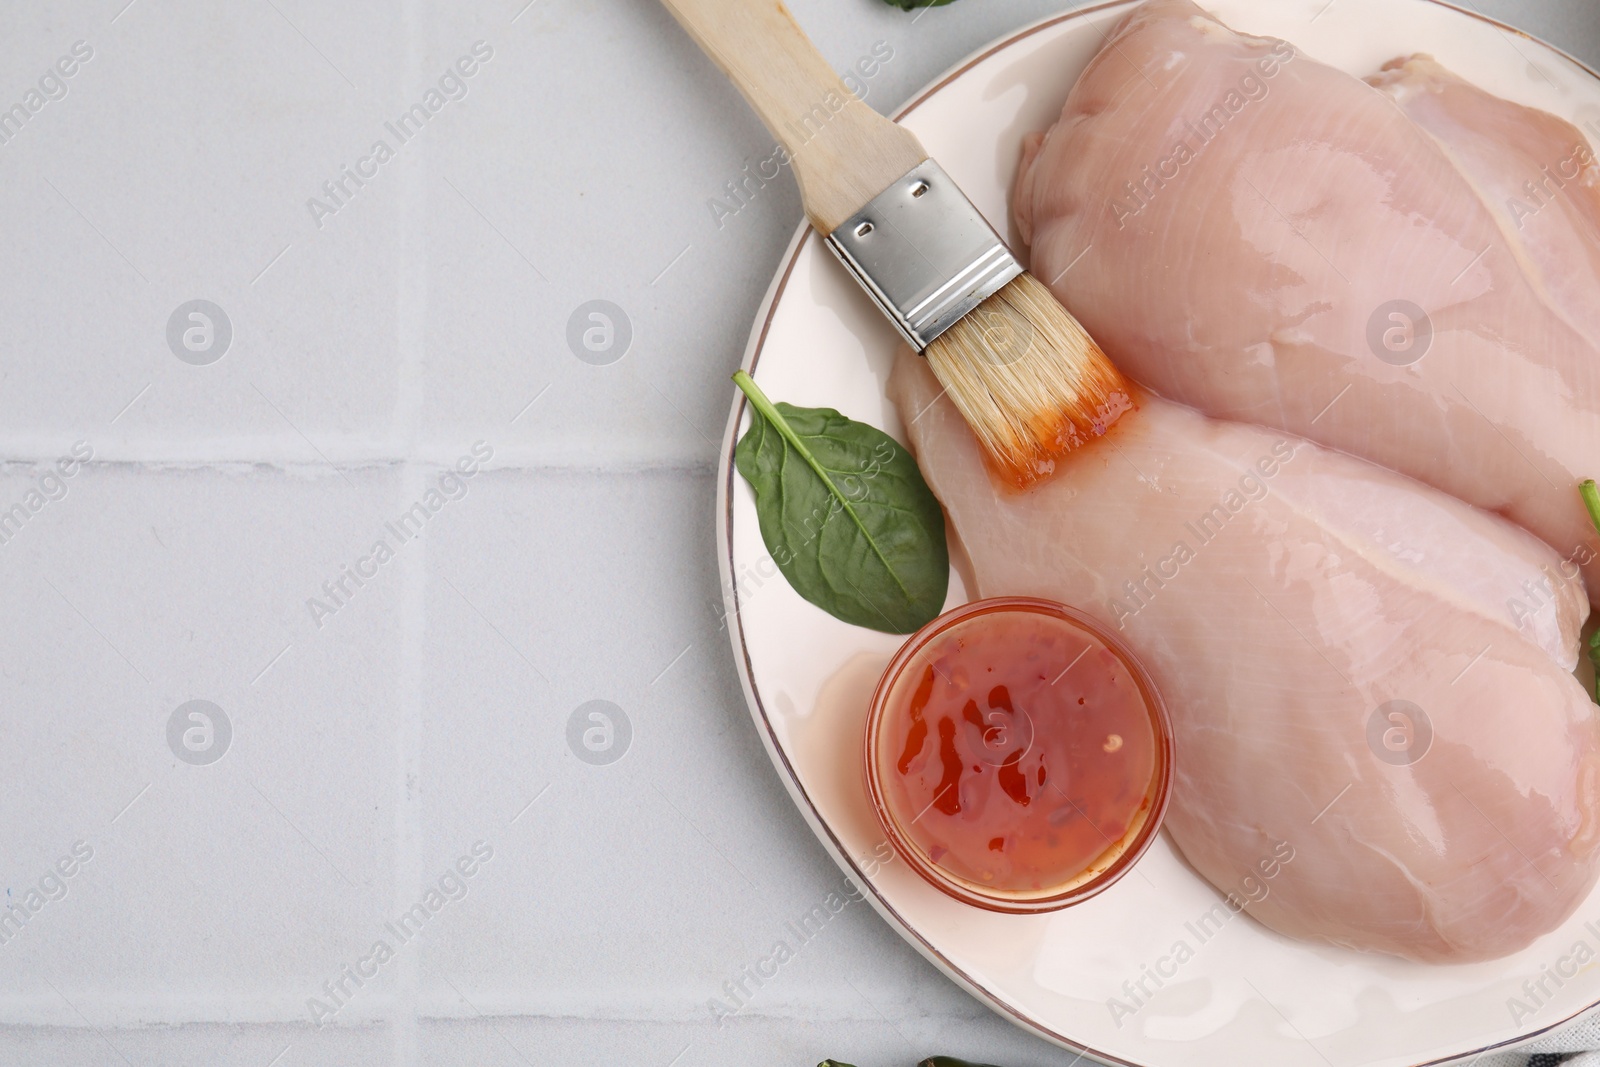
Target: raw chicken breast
x=1247, y=220
x=1536, y=172
x=1282, y=596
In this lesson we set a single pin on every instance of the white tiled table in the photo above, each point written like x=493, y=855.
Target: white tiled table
x=376, y=739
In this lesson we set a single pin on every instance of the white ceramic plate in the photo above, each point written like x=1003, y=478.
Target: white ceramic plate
x=1248, y=995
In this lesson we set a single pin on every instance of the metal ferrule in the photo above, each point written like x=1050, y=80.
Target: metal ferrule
x=924, y=253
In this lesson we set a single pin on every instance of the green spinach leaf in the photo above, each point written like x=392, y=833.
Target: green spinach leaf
x=845, y=514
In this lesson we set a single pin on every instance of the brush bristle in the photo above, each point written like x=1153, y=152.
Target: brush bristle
x=1028, y=379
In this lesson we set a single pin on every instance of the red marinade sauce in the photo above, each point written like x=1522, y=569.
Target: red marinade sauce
x=1020, y=749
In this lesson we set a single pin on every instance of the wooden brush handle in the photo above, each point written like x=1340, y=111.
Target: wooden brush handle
x=843, y=152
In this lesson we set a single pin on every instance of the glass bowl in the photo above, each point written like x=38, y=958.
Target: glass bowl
x=1051, y=746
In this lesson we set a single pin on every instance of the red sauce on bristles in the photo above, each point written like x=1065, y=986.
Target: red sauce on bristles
x=1029, y=380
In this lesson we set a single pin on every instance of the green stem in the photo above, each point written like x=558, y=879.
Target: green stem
x=747, y=385
x=1594, y=661
x=1591, y=501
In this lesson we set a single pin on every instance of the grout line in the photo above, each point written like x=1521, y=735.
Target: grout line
x=431, y=457
x=498, y=1032
x=410, y=816
x=309, y=443
x=411, y=340
x=912, y=1048
x=285, y=1007
x=87, y=1023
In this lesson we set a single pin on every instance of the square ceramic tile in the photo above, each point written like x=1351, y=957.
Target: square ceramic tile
x=564, y=665
x=179, y=165
x=191, y=1046
x=597, y=272
x=217, y=771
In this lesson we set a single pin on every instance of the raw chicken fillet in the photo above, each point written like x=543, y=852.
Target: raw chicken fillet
x=1407, y=270
x=1284, y=597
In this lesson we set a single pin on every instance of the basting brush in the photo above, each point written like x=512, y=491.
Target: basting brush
x=1025, y=375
